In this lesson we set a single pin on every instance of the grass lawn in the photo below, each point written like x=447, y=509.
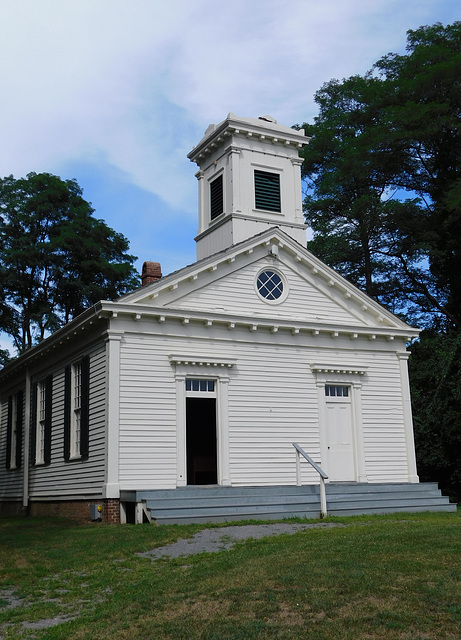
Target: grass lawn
x=392, y=577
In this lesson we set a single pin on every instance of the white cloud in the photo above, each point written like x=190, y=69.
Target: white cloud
x=137, y=83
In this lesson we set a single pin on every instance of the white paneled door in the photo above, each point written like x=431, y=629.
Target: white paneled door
x=339, y=436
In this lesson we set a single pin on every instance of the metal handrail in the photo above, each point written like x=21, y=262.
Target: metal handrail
x=323, y=476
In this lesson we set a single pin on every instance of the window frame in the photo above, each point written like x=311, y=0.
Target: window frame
x=76, y=409
x=42, y=398
x=285, y=289
x=14, y=430
x=264, y=198
x=216, y=196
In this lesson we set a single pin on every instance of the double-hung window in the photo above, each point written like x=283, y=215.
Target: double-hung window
x=41, y=421
x=76, y=409
x=14, y=431
x=40, y=425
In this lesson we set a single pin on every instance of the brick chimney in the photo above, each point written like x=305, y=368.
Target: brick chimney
x=151, y=271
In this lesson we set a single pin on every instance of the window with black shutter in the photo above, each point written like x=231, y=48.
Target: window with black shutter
x=9, y=431
x=19, y=426
x=76, y=409
x=267, y=191
x=216, y=197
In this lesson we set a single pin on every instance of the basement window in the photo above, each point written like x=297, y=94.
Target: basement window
x=267, y=191
x=338, y=391
x=216, y=197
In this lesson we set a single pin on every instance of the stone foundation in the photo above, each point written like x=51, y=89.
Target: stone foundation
x=12, y=509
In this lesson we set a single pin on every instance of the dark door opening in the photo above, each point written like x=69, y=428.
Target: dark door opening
x=202, y=461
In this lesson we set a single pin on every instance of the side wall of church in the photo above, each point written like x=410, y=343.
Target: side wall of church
x=60, y=479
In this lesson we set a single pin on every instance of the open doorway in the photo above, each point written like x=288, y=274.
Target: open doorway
x=201, y=445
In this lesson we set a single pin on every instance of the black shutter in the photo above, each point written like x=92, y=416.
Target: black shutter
x=67, y=410
x=267, y=191
x=48, y=413
x=85, y=408
x=216, y=198
x=19, y=425
x=9, y=428
x=33, y=425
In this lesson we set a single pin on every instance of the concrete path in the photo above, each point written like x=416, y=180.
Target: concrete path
x=212, y=540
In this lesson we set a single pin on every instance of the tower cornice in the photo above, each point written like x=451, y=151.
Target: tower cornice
x=263, y=129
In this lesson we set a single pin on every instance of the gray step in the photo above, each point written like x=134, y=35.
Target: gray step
x=234, y=501
x=222, y=504
x=217, y=491
x=355, y=488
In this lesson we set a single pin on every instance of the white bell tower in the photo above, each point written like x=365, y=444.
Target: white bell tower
x=249, y=180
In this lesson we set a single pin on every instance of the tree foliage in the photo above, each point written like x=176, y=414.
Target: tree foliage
x=56, y=259
x=383, y=176
x=435, y=374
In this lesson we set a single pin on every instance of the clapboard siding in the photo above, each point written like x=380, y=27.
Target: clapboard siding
x=147, y=415
x=238, y=294
x=83, y=477
x=272, y=406
x=383, y=419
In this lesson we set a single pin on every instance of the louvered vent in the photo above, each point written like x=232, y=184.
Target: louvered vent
x=267, y=191
x=216, y=198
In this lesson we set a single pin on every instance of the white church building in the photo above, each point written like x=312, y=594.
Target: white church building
x=195, y=397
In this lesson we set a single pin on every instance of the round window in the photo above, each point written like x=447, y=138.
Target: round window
x=270, y=285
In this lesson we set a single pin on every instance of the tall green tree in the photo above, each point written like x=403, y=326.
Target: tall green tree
x=56, y=259
x=383, y=176
x=359, y=227
x=421, y=112
x=435, y=374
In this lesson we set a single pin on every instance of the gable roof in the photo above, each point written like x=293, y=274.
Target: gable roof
x=174, y=296
x=199, y=287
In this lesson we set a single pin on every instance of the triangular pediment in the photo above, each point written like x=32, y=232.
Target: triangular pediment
x=227, y=284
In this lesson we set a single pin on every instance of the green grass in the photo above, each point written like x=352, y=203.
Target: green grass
x=380, y=577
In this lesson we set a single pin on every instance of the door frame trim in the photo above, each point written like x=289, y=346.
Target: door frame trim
x=353, y=378
x=208, y=369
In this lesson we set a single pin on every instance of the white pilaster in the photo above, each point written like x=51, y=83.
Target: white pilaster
x=27, y=401
x=202, y=217
x=322, y=422
x=407, y=417
x=181, y=463
x=358, y=431
x=223, y=432
x=234, y=185
x=112, y=485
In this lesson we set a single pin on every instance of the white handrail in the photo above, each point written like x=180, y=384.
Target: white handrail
x=323, y=476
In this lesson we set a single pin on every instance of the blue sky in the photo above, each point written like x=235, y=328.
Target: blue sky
x=116, y=93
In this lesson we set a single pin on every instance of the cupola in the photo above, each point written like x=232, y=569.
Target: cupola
x=249, y=180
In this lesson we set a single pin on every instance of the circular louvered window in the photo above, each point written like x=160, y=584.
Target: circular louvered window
x=270, y=285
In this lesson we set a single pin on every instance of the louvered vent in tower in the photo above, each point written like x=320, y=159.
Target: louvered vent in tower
x=267, y=191
x=216, y=198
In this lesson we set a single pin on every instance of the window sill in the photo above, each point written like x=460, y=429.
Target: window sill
x=275, y=213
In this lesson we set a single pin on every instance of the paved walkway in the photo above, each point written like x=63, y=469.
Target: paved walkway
x=212, y=540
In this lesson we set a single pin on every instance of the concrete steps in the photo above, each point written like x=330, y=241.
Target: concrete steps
x=223, y=504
